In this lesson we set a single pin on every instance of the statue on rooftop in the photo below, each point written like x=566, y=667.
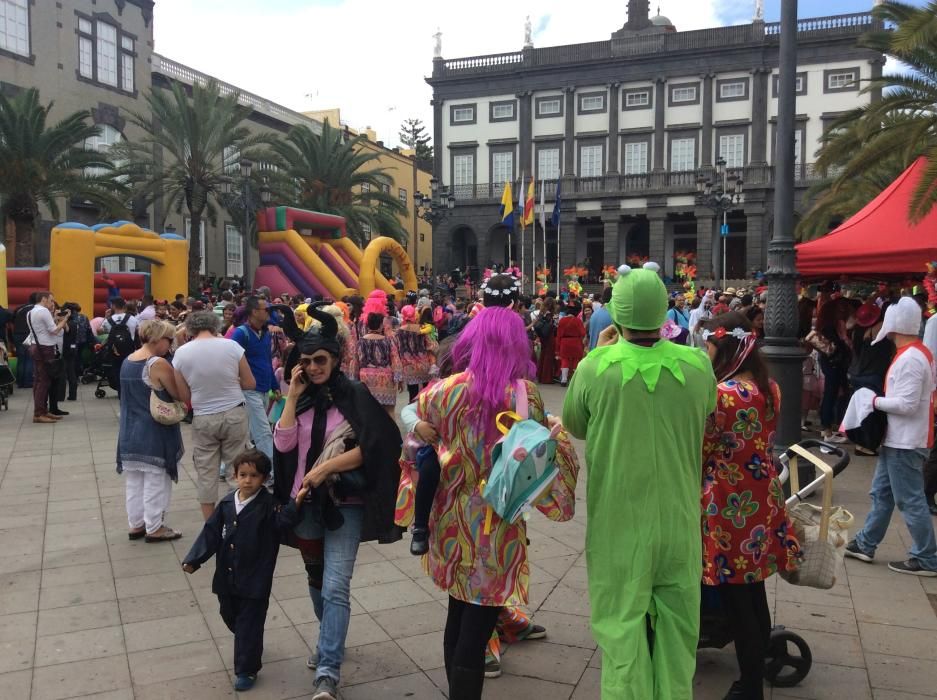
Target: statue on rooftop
x=528, y=34
x=437, y=47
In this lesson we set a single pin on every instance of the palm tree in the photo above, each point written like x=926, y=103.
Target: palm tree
x=871, y=145
x=326, y=173
x=42, y=164
x=181, y=154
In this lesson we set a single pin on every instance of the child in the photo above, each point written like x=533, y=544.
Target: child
x=244, y=533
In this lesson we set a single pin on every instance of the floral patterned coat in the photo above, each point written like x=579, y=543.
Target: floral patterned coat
x=747, y=535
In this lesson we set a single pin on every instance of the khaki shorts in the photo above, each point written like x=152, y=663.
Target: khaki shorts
x=217, y=438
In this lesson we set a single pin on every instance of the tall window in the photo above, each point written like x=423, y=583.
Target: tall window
x=463, y=174
x=126, y=63
x=838, y=81
x=638, y=99
x=502, y=167
x=683, y=94
x=102, y=144
x=549, y=107
x=85, y=48
x=366, y=231
x=234, y=247
x=463, y=114
x=107, y=53
x=798, y=142
x=231, y=160
x=402, y=196
x=188, y=237
x=590, y=161
x=365, y=187
x=14, y=26
x=109, y=264
x=732, y=149
x=548, y=163
x=682, y=155
x=635, y=158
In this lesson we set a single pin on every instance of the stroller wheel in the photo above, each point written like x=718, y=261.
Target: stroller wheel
x=786, y=667
x=88, y=379
x=99, y=393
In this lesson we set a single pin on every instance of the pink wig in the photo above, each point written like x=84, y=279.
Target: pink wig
x=408, y=314
x=494, y=348
x=376, y=303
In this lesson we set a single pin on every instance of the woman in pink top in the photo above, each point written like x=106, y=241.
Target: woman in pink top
x=335, y=438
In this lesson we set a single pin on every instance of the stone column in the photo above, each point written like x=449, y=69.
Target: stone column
x=760, y=79
x=438, y=139
x=569, y=147
x=611, y=254
x=755, y=240
x=705, y=265
x=526, y=127
x=876, y=71
x=614, y=109
x=657, y=217
x=660, y=96
x=706, y=140
x=567, y=241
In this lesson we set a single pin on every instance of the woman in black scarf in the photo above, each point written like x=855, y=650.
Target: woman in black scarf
x=334, y=437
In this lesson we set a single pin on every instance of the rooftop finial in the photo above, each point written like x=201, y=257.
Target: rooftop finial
x=437, y=47
x=528, y=34
x=759, y=10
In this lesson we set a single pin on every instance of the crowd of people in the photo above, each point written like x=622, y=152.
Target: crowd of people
x=293, y=409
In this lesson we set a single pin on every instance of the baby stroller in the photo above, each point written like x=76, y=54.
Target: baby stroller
x=789, y=657
x=7, y=379
x=104, y=369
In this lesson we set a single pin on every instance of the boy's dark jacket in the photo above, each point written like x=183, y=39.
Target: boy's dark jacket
x=245, y=545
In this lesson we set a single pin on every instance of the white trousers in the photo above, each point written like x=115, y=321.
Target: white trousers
x=148, y=495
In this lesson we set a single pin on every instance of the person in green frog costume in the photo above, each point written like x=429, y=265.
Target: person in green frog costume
x=641, y=403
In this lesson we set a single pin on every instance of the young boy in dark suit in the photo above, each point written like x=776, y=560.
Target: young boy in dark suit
x=244, y=534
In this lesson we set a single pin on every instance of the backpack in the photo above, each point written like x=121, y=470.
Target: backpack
x=82, y=330
x=120, y=339
x=523, y=463
x=543, y=327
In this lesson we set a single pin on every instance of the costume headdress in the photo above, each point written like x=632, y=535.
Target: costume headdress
x=747, y=344
x=639, y=298
x=500, y=290
x=323, y=336
x=903, y=317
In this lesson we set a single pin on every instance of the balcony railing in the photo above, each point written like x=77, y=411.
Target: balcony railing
x=755, y=33
x=667, y=182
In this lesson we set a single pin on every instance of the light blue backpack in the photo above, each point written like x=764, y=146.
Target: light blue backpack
x=523, y=463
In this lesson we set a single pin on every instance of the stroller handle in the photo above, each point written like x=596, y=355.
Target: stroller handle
x=842, y=457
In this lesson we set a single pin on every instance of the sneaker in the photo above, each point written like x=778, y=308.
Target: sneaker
x=245, y=682
x=419, y=545
x=911, y=566
x=313, y=661
x=853, y=551
x=492, y=669
x=532, y=632
x=837, y=439
x=58, y=412
x=325, y=689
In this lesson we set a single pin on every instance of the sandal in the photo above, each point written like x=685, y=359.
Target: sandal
x=136, y=534
x=168, y=536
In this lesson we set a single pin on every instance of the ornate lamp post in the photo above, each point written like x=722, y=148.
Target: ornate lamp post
x=720, y=196
x=782, y=347
x=432, y=208
x=247, y=202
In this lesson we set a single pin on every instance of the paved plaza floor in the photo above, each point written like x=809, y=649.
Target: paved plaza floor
x=86, y=613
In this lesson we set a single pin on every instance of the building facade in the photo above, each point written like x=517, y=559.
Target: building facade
x=628, y=126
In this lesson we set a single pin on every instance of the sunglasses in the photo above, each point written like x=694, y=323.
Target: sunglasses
x=318, y=360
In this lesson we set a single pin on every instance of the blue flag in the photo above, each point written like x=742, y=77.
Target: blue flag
x=555, y=218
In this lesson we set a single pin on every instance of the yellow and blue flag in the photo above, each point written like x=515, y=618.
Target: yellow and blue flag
x=507, y=206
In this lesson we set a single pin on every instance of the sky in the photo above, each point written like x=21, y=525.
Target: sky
x=370, y=57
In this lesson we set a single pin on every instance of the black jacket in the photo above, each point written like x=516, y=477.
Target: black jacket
x=245, y=546
x=380, y=442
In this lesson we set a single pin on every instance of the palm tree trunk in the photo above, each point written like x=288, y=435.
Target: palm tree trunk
x=195, y=252
x=24, y=233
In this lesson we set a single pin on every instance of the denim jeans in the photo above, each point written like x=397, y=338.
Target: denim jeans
x=899, y=481
x=332, y=602
x=261, y=435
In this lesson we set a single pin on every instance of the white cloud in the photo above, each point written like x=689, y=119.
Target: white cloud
x=367, y=57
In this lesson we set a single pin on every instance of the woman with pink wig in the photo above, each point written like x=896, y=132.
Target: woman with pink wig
x=416, y=349
x=375, y=362
x=482, y=568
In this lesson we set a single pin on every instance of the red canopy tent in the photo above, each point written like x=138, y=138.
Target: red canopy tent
x=878, y=241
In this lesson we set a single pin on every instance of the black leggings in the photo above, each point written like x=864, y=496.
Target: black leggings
x=747, y=608
x=468, y=629
x=413, y=390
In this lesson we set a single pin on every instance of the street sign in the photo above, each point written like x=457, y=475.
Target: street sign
x=724, y=230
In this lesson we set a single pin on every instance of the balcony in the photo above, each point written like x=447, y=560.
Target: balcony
x=665, y=182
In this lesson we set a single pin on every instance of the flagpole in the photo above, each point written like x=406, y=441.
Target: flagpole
x=523, y=230
x=543, y=231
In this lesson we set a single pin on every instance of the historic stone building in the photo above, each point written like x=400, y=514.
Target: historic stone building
x=629, y=125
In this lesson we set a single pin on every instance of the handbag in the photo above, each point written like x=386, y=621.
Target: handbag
x=820, y=344
x=822, y=530
x=166, y=412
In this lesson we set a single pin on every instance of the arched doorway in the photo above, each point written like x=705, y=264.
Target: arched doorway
x=498, y=252
x=638, y=241
x=464, y=250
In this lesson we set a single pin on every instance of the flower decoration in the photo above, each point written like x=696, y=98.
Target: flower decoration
x=636, y=261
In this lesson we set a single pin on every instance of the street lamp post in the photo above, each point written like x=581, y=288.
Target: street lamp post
x=720, y=196
x=247, y=202
x=782, y=346
x=432, y=208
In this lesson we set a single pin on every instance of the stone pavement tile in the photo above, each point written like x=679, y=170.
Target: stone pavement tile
x=33, y=520
x=525, y=688
x=170, y=663
x=577, y=579
x=412, y=620
x=91, y=554
x=567, y=600
x=557, y=567
x=121, y=694
x=76, y=574
x=18, y=601
x=19, y=581
x=835, y=649
x=377, y=573
x=17, y=509
x=153, y=634
x=18, y=626
x=157, y=606
x=292, y=586
x=426, y=584
x=907, y=603
x=424, y=649
x=415, y=686
x=838, y=597
x=826, y=682
x=76, y=594
x=133, y=586
x=390, y=595
x=411, y=566
x=16, y=654
x=28, y=562
x=546, y=660
x=207, y=686
x=160, y=562
x=77, y=646
x=801, y=616
x=279, y=644
x=20, y=541
x=716, y=669
x=901, y=673
x=880, y=694
x=74, y=544
x=899, y=641
x=16, y=685
x=78, y=617
x=877, y=569
x=542, y=548
x=596, y=660
x=83, y=492
x=364, y=630
x=298, y=610
x=77, y=458
x=589, y=686
x=562, y=628
x=80, y=678
x=374, y=662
